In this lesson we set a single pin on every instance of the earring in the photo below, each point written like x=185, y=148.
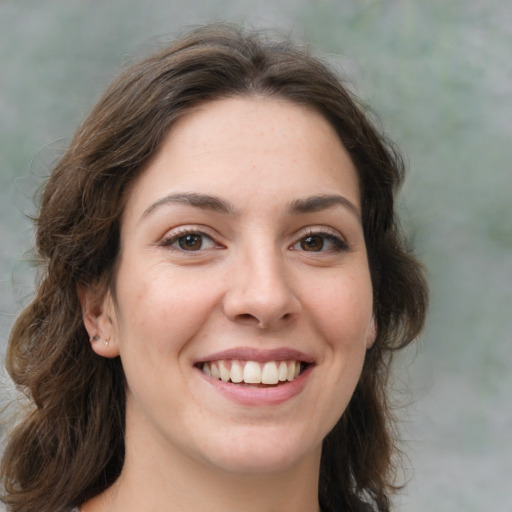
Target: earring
x=106, y=341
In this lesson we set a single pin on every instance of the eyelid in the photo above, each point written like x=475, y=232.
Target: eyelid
x=174, y=234
x=340, y=242
x=325, y=232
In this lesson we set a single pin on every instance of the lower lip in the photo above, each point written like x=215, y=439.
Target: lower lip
x=249, y=395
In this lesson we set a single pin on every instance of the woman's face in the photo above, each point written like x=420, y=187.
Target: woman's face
x=242, y=259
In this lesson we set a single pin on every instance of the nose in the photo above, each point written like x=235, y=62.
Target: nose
x=259, y=292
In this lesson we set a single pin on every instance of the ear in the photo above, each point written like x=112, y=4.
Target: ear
x=371, y=335
x=98, y=314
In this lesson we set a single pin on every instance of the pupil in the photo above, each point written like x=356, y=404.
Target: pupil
x=190, y=242
x=312, y=243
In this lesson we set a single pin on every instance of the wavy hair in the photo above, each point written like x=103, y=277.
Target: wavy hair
x=69, y=446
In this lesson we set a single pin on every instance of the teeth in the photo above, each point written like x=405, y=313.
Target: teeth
x=224, y=372
x=283, y=371
x=291, y=371
x=237, y=374
x=214, y=371
x=269, y=373
x=297, y=369
x=252, y=372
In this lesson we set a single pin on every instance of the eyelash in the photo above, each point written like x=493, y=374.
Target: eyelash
x=181, y=233
x=338, y=243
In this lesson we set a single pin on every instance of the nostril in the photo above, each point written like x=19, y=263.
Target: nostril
x=247, y=317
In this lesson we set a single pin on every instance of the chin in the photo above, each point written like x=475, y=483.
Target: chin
x=258, y=464
x=262, y=453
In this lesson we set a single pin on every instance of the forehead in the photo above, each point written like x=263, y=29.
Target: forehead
x=248, y=149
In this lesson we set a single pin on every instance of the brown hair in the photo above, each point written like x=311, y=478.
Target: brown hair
x=70, y=445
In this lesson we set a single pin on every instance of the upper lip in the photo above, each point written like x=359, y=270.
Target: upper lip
x=258, y=355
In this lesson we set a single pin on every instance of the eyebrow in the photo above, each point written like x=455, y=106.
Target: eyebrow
x=202, y=201
x=216, y=204
x=322, y=202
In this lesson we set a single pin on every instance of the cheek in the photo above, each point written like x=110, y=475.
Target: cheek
x=343, y=307
x=163, y=305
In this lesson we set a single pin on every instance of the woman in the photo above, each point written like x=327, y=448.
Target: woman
x=222, y=287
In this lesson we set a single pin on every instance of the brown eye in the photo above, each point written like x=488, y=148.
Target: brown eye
x=312, y=243
x=189, y=241
x=320, y=242
x=192, y=242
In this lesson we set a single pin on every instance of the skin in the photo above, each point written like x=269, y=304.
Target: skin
x=253, y=284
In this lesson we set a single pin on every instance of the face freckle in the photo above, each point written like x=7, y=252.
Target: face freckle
x=254, y=177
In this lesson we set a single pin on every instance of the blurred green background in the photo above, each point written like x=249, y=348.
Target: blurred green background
x=439, y=76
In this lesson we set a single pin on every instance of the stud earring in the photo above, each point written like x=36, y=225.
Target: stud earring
x=106, y=341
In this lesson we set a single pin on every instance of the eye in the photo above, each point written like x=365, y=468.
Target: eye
x=312, y=243
x=320, y=242
x=189, y=241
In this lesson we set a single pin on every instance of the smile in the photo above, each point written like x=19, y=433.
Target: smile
x=253, y=372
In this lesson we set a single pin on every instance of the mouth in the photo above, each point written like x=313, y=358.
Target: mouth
x=254, y=373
